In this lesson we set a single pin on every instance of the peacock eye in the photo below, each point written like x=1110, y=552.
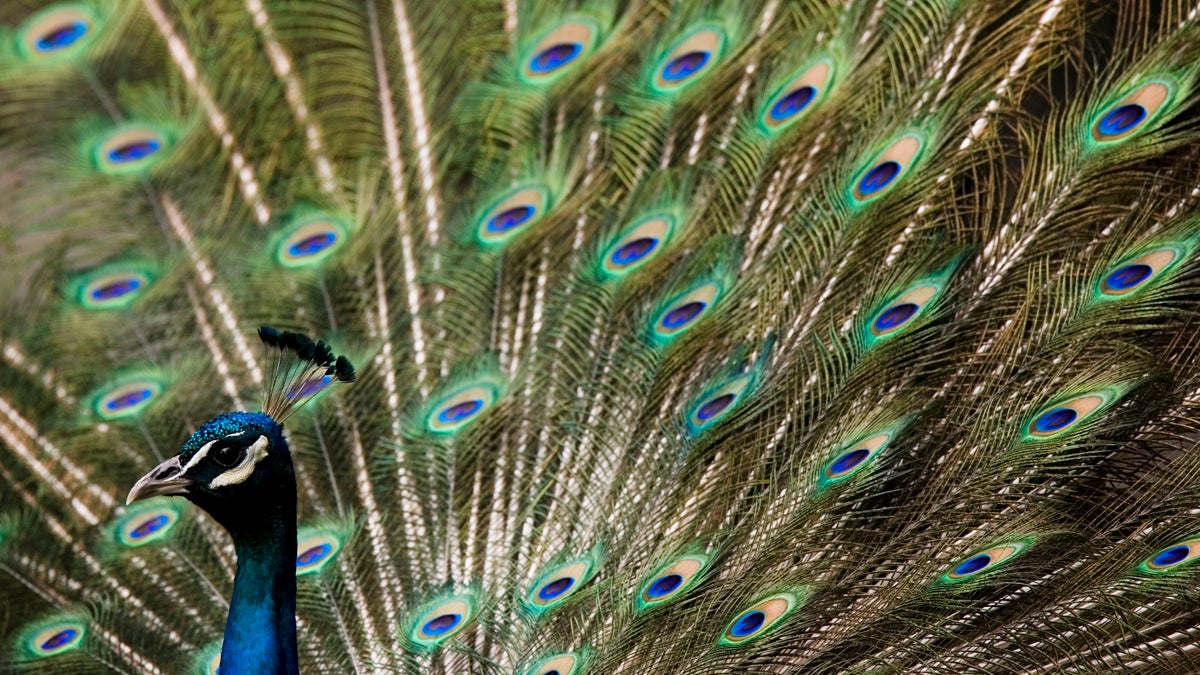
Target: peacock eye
x=985, y=560
x=560, y=664
x=689, y=58
x=559, y=583
x=796, y=97
x=672, y=581
x=762, y=617
x=227, y=455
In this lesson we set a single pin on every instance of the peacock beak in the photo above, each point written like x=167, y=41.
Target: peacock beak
x=166, y=479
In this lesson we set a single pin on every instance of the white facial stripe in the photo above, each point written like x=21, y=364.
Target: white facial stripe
x=241, y=472
x=200, y=454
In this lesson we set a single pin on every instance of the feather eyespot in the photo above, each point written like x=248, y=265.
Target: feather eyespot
x=759, y=619
x=1127, y=278
x=127, y=399
x=148, y=524
x=115, y=288
x=61, y=37
x=111, y=286
x=1121, y=119
x=684, y=66
x=1058, y=418
x=313, y=553
x=441, y=620
x=511, y=218
x=60, y=640
x=718, y=403
x=57, y=32
x=148, y=527
x=54, y=637
x=901, y=311
x=310, y=239
x=314, y=244
x=690, y=58
x=556, y=586
x=441, y=624
x=515, y=212
x=638, y=245
x=559, y=664
x=553, y=58
x=986, y=560
x=878, y=177
x=885, y=170
x=459, y=409
x=633, y=251
x=310, y=386
x=686, y=310
x=560, y=50
x=1135, y=273
x=792, y=103
x=672, y=581
x=1171, y=557
x=854, y=458
x=131, y=148
x=789, y=103
x=1131, y=113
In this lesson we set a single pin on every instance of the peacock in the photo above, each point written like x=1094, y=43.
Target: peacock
x=575, y=337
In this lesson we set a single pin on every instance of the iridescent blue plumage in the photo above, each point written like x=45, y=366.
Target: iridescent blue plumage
x=238, y=468
x=258, y=509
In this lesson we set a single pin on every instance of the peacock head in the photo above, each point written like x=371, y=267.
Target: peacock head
x=232, y=463
x=237, y=466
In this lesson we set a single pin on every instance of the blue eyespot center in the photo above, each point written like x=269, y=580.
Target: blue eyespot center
x=149, y=527
x=128, y=400
x=1128, y=277
x=459, y=411
x=633, y=251
x=972, y=565
x=748, y=624
x=685, y=66
x=555, y=588
x=61, y=37
x=1055, y=419
x=895, y=316
x=314, y=244
x=879, y=177
x=132, y=152
x=848, y=461
x=1171, y=556
x=116, y=289
x=506, y=220
x=683, y=314
x=314, y=554
x=555, y=57
x=715, y=406
x=60, y=638
x=793, y=103
x=441, y=625
x=1121, y=119
x=664, y=585
x=309, y=387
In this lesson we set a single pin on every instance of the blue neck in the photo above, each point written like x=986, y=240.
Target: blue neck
x=260, y=634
